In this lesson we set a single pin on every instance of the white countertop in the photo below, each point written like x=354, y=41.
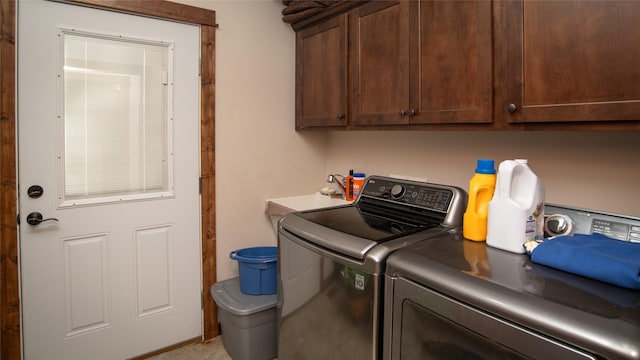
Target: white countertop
x=282, y=206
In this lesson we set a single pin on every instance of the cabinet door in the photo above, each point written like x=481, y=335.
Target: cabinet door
x=379, y=63
x=568, y=61
x=451, y=61
x=321, y=60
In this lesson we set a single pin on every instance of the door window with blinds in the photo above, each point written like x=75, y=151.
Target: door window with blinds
x=115, y=115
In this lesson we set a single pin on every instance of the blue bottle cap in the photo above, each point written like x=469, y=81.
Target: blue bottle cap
x=485, y=167
x=358, y=175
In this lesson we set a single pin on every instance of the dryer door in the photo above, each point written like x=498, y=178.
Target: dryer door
x=429, y=325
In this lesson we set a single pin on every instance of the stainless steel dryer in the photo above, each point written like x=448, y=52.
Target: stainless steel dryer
x=332, y=260
x=451, y=298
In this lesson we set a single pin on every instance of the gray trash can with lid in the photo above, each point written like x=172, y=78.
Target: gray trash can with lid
x=248, y=322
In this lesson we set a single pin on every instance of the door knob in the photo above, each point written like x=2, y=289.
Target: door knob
x=35, y=218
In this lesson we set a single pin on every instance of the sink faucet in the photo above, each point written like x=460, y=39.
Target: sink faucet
x=340, y=181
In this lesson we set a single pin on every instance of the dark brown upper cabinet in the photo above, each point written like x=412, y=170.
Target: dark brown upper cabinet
x=470, y=64
x=379, y=63
x=321, y=74
x=568, y=61
x=421, y=62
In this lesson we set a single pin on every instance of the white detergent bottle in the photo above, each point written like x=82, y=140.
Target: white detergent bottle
x=516, y=210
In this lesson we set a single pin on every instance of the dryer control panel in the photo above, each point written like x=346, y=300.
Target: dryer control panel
x=562, y=220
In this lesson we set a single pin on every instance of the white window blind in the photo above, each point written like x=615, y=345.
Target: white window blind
x=116, y=111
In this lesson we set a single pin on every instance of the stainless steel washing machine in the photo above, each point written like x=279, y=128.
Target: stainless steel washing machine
x=331, y=264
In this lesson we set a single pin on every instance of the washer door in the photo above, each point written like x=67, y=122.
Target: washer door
x=327, y=309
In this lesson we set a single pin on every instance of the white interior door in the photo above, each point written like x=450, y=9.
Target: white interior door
x=108, y=128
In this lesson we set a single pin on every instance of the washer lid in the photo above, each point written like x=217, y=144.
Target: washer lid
x=346, y=229
x=354, y=221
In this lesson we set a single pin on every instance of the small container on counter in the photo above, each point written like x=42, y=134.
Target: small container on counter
x=358, y=183
x=348, y=186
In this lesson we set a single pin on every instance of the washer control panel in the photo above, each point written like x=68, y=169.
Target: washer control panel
x=433, y=197
x=561, y=220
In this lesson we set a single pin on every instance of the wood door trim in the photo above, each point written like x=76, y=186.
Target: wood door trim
x=9, y=291
x=154, y=8
x=10, y=332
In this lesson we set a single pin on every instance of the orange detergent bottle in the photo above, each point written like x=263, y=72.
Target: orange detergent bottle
x=481, y=188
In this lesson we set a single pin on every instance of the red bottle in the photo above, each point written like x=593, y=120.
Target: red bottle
x=348, y=186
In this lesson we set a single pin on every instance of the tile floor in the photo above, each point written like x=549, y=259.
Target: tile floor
x=210, y=350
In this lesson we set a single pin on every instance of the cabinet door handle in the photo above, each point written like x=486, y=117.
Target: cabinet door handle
x=412, y=112
x=402, y=113
x=340, y=116
x=512, y=108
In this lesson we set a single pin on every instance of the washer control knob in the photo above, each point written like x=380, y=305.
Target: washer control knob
x=397, y=191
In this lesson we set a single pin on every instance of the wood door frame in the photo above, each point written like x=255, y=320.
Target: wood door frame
x=10, y=332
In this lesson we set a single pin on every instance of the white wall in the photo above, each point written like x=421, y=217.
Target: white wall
x=260, y=156
x=593, y=170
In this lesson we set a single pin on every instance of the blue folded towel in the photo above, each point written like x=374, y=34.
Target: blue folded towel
x=595, y=256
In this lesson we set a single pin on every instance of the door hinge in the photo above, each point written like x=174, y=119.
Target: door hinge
x=200, y=185
x=201, y=301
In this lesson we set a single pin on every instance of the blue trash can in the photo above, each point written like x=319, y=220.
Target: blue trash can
x=258, y=269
